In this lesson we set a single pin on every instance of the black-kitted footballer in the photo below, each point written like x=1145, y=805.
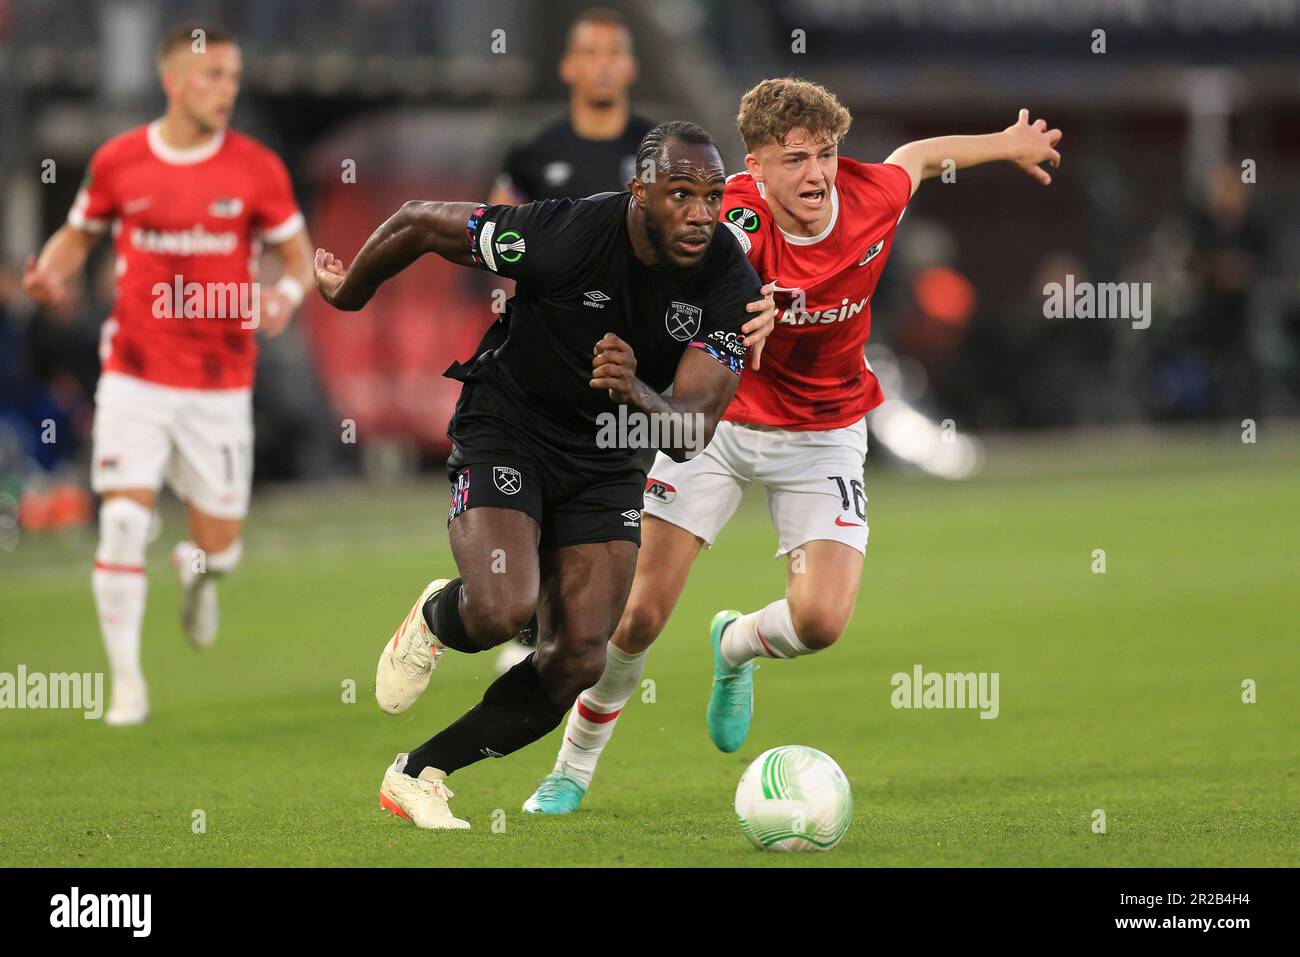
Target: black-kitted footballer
x=622, y=299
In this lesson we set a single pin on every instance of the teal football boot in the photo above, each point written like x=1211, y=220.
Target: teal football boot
x=557, y=794
x=731, y=702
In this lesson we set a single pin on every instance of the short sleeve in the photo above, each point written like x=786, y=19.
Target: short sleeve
x=895, y=185
x=276, y=214
x=538, y=244
x=96, y=202
x=735, y=286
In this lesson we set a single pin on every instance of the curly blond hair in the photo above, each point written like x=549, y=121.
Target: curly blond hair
x=775, y=108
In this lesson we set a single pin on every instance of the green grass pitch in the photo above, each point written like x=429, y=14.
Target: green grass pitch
x=1119, y=691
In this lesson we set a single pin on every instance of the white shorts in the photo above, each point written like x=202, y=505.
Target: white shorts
x=813, y=482
x=199, y=441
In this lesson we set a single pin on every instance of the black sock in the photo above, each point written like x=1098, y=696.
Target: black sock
x=442, y=615
x=514, y=713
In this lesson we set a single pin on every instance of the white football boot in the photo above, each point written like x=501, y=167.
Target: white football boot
x=422, y=800
x=199, y=616
x=128, y=704
x=409, y=657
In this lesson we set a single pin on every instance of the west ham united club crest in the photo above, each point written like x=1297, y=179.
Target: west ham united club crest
x=508, y=480
x=683, y=320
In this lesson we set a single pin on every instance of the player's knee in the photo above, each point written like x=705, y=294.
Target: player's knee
x=569, y=670
x=641, y=624
x=586, y=666
x=819, y=628
x=123, y=532
x=497, y=621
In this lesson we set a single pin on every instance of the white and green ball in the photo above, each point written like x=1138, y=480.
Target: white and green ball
x=794, y=798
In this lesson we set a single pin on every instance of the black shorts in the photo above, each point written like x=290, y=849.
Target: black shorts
x=492, y=466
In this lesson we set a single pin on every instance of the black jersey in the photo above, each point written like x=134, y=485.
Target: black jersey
x=557, y=163
x=578, y=278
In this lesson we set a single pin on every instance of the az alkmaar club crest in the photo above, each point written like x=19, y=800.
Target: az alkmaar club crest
x=872, y=252
x=683, y=320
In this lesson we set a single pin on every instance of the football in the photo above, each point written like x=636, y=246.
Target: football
x=794, y=798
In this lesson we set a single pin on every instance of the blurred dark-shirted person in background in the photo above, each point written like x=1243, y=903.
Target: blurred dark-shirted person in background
x=593, y=148
x=1227, y=252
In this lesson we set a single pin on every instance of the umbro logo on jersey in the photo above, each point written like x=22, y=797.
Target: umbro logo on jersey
x=872, y=253
x=633, y=517
x=595, y=298
x=133, y=206
x=506, y=479
x=226, y=208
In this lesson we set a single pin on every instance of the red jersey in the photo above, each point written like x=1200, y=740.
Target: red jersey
x=814, y=374
x=187, y=229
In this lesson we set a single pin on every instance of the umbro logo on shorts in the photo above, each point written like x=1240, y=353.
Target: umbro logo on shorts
x=506, y=479
x=595, y=298
x=633, y=518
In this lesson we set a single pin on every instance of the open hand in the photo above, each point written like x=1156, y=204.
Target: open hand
x=1032, y=144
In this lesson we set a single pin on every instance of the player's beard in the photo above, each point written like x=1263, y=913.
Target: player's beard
x=659, y=243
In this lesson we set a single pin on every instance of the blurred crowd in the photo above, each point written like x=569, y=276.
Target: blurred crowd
x=960, y=308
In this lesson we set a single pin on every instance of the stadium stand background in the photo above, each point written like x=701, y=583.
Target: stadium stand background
x=1156, y=130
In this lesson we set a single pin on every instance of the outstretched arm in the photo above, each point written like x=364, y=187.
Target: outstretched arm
x=419, y=227
x=702, y=390
x=1022, y=144
x=45, y=278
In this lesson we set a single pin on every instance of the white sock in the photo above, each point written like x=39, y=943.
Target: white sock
x=119, y=585
x=594, y=714
x=212, y=563
x=766, y=633
x=224, y=562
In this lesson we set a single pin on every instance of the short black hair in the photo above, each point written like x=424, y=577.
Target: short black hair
x=183, y=36
x=651, y=147
x=603, y=15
